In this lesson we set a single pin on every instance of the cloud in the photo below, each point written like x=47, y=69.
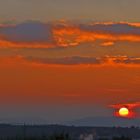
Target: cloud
x=10, y=44
x=77, y=60
x=60, y=35
x=108, y=43
x=75, y=35
x=28, y=32
x=114, y=28
x=128, y=105
x=72, y=61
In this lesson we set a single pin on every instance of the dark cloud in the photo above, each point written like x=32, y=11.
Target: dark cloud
x=28, y=32
x=113, y=28
x=76, y=60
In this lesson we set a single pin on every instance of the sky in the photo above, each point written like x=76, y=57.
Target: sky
x=46, y=10
x=63, y=60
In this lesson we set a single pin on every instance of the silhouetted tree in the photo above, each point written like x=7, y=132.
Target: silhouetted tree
x=121, y=138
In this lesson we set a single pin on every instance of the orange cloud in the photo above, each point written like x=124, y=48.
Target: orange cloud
x=9, y=44
x=108, y=43
x=135, y=24
x=73, y=36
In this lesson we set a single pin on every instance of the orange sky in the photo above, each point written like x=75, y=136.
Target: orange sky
x=36, y=83
x=68, y=67
x=68, y=59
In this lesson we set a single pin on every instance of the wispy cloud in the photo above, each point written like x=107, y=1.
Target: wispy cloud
x=128, y=105
x=77, y=60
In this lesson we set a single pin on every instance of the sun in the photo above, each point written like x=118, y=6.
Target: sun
x=124, y=112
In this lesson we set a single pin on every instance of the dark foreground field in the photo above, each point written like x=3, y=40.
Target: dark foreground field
x=59, y=132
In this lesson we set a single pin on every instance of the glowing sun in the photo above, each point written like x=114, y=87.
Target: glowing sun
x=123, y=112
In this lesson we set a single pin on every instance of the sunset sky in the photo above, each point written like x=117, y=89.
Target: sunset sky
x=68, y=59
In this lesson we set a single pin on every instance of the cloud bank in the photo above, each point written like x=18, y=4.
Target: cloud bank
x=62, y=35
